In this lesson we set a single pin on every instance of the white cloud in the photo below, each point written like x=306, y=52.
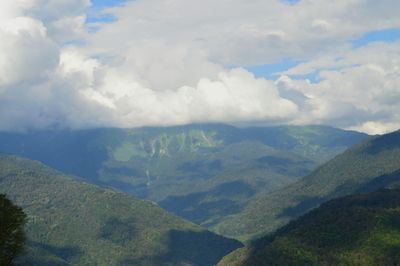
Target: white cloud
x=363, y=90
x=234, y=95
x=26, y=54
x=247, y=32
x=377, y=127
x=166, y=62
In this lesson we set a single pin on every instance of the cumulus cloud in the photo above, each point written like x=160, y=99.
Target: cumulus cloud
x=247, y=32
x=234, y=95
x=358, y=91
x=170, y=62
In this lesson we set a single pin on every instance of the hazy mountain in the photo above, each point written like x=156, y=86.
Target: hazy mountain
x=70, y=222
x=200, y=172
x=354, y=230
x=368, y=166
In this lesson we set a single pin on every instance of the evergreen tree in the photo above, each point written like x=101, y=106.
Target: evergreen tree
x=12, y=237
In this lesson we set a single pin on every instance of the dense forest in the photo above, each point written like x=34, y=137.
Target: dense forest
x=354, y=230
x=12, y=234
x=74, y=223
x=367, y=166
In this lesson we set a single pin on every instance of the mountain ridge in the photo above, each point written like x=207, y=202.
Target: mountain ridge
x=360, y=229
x=70, y=222
x=187, y=169
x=371, y=164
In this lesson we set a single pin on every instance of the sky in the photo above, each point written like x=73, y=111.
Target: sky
x=80, y=64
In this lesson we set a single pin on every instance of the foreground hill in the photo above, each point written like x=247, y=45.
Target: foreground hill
x=70, y=222
x=200, y=172
x=354, y=230
x=370, y=165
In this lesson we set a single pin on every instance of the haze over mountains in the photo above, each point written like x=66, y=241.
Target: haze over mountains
x=200, y=172
x=321, y=237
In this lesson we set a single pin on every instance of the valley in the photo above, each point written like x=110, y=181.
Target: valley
x=308, y=221
x=199, y=172
x=367, y=166
x=75, y=223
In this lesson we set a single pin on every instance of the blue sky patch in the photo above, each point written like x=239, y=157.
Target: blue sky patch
x=312, y=77
x=291, y=2
x=269, y=71
x=106, y=3
x=386, y=35
x=95, y=15
x=100, y=18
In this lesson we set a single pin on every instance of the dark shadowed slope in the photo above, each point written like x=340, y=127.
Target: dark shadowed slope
x=200, y=172
x=354, y=230
x=12, y=234
x=70, y=222
x=367, y=166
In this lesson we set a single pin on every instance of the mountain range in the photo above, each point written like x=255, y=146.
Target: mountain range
x=202, y=173
x=344, y=212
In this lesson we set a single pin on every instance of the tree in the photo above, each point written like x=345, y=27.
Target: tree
x=12, y=236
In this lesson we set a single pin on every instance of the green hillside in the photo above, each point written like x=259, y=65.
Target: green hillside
x=354, y=230
x=200, y=172
x=367, y=166
x=70, y=222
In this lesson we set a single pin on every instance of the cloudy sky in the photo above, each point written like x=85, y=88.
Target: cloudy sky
x=83, y=64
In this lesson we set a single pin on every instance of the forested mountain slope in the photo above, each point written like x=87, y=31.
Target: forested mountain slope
x=365, y=167
x=354, y=230
x=70, y=222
